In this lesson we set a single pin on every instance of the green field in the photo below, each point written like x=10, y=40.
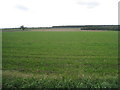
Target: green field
x=60, y=59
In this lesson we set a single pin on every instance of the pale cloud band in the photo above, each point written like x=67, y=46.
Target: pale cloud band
x=21, y=7
x=89, y=4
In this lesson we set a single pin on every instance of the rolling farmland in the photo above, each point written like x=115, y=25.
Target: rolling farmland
x=60, y=59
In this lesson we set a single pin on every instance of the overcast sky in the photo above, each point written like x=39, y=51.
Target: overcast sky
x=45, y=13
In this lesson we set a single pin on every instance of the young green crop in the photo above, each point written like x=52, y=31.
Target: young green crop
x=54, y=55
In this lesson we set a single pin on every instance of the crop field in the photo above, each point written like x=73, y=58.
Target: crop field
x=60, y=59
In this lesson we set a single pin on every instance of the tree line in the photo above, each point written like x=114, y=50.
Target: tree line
x=82, y=27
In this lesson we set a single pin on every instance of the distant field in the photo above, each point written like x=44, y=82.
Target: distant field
x=48, y=29
x=60, y=59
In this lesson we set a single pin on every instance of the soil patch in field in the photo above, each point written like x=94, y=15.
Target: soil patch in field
x=65, y=29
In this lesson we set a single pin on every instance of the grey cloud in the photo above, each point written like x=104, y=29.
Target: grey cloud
x=89, y=4
x=21, y=7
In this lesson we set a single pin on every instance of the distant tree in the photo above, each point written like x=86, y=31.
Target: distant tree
x=22, y=27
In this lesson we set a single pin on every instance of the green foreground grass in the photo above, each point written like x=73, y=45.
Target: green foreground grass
x=60, y=59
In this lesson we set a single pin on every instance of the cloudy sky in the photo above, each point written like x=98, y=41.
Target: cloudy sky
x=45, y=13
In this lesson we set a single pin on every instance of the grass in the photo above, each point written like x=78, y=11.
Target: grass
x=60, y=59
